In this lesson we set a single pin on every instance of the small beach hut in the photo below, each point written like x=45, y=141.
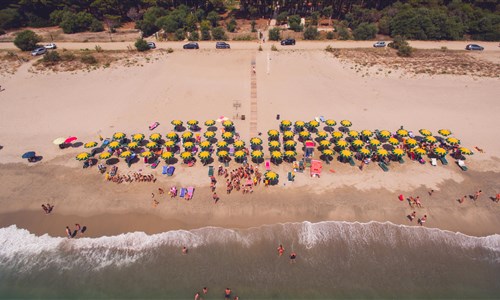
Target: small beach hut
x=330, y=122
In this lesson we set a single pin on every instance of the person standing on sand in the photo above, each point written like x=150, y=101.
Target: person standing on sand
x=205, y=290
x=422, y=220
x=477, y=194
x=462, y=199
x=227, y=293
x=78, y=228
x=412, y=216
x=68, y=232
x=215, y=197
x=497, y=198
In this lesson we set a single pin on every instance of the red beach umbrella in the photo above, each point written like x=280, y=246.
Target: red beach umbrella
x=70, y=139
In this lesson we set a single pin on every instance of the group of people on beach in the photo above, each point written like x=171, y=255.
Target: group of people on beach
x=281, y=251
x=78, y=229
x=227, y=294
x=47, y=208
x=136, y=176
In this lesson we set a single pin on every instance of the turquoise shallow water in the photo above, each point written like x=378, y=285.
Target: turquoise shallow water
x=334, y=260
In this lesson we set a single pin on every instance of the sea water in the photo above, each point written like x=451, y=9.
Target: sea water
x=335, y=260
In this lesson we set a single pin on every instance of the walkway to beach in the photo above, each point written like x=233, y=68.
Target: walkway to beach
x=253, y=99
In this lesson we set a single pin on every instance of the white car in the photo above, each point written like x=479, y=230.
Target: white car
x=50, y=46
x=39, y=51
x=379, y=44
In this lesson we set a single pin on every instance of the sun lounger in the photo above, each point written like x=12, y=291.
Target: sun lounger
x=461, y=164
x=291, y=176
x=434, y=162
x=268, y=165
x=190, y=193
x=170, y=170
x=164, y=170
x=322, y=119
x=443, y=160
x=351, y=162
x=153, y=126
x=210, y=171
x=383, y=166
x=155, y=164
x=105, y=143
x=183, y=192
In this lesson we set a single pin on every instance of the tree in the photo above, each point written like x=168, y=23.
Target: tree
x=365, y=31
x=191, y=21
x=141, y=45
x=180, y=34
x=26, y=40
x=10, y=18
x=167, y=23
x=281, y=18
x=343, y=32
x=111, y=21
x=275, y=34
x=213, y=17
x=294, y=23
x=194, y=36
x=219, y=34
x=231, y=26
x=253, y=23
x=134, y=14
x=314, y=18
x=311, y=33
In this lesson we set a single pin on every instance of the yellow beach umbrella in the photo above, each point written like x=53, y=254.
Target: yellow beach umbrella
x=382, y=152
x=357, y=143
x=290, y=153
x=425, y=132
x=346, y=123
x=385, y=134
x=105, y=155
x=290, y=144
x=151, y=145
x=276, y=155
x=209, y=134
x=125, y=154
x=346, y=153
x=305, y=134
x=222, y=153
x=239, y=154
x=420, y=151
x=192, y=122
x=173, y=136
x=205, y=145
x=375, y=142
x=176, y=122
x=90, y=145
x=204, y=155
x=465, y=151
x=325, y=143
x=273, y=133
x=393, y=141
x=187, y=135
x=430, y=139
x=256, y=141
x=239, y=144
x=411, y=142
x=83, y=156
x=257, y=154
x=114, y=145
x=452, y=141
x=270, y=175
x=146, y=154
x=186, y=155
x=337, y=135
x=353, y=133
x=327, y=152
x=227, y=135
x=169, y=144
x=133, y=145
x=440, y=151
x=227, y=123
x=188, y=145
x=209, y=122
x=444, y=132
x=398, y=152
x=402, y=132
x=274, y=144
x=118, y=135
x=167, y=155
x=322, y=135
x=366, y=133
x=155, y=137
x=300, y=124
x=313, y=123
x=330, y=122
x=221, y=144
x=364, y=151
x=285, y=124
x=341, y=144
x=138, y=137
x=288, y=135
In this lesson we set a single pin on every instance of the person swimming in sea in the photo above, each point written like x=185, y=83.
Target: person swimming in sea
x=281, y=250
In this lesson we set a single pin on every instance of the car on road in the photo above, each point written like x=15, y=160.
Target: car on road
x=50, y=46
x=191, y=46
x=151, y=45
x=379, y=44
x=474, y=47
x=39, y=51
x=222, y=45
x=288, y=42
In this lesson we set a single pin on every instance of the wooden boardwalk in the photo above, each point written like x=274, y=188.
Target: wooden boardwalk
x=253, y=100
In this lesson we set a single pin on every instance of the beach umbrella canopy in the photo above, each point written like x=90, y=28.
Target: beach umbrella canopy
x=444, y=132
x=366, y=133
x=256, y=141
x=227, y=123
x=133, y=145
x=187, y=135
x=385, y=134
x=173, y=136
x=440, y=151
x=276, y=155
x=146, y=154
x=82, y=156
x=346, y=123
x=138, y=137
x=382, y=152
x=167, y=155
x=209, y=122
x=365, y=151
x=313, y=123
x=118, y=135
x=353, y=133
x=299, y=124
x=257, y=154
x=192, y=122
x=337, y=135
x=204, y=155
x=341, y=144
x=330, y=122
x=411, y=142
x=274, y=144
x=205, y=145
x=430, y=139
x=188, y=145
x=452, y=141
x=305, y=134
x=346, y=153
x=357, y=143
x=186, y=155
x=425, y=132
x=169, y=144
x=393, y=141
x=31, y=154
x=398, y=152
x=288, y=135
x=221, y=144
x=285, y=124
x=222, y=153
x=239, y=154
x=239, y=144
x=322, y=135
x=59, y=141
x=90, y=145
x=375, y=142
x=290, y=144
x=105, y=155
x=420, y=151
x=114, y=145
x=270, y=175
x=402, y=132
x=70, y=139
x=125, y=154
x=151, y=145
x=327, y=152
x=227, y=135
x=325, y=143
x=465, y=151
x=290, y=154
x=209, y=134
x=273, y=133
x=155, y=137
x=176, y=122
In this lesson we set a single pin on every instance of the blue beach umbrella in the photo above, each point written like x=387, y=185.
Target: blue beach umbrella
x=29, y=154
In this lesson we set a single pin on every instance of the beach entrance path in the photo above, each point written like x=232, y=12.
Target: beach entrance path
x=253, y=99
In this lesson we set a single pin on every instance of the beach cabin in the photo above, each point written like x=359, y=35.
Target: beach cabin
x=316, y=167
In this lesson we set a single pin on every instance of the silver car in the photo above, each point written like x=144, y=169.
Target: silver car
x=39, y=51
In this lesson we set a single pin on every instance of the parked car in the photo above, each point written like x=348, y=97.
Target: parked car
x=191, y=46
x=50, y=46
x=379, y=44
x=288, y=42
x=151, y=45
x=474, y=47
x=39, y=51
x=222, y=45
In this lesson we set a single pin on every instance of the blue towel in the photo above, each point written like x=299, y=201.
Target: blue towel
x=164, y=171
x=183, y=192
x=170, y=170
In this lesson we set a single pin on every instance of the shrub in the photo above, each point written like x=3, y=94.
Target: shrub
x=194, y=36
x=26, y=40
x=10, y=18
x=98, y=48
x=294, y=23
x=180, y=35
x=88, y=59
x=311, y=33
x=231, y=26
x=343, y=33
x=219, y=34
x=260, y=48
x=244, y=37
x=51, y=57
x=2, y=31
x=170, y=50
x=405, y=50
x=213, y=17
x=253, y=23
x=399, y=43
x=329, y=48
x=314, y=18
x=274, y=34
x=273, y=48
x=282, y=17
x=141, y=45
x=67, y=56
x=330, y=35
x=365, y=31
x=96, y=26
x=205, y=35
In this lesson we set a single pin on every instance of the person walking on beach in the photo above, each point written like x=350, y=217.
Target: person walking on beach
x=68, y=232
x=477, y=194
x=497, y=198
x=205, y=290
x=462, y=199
x=78, y=229
x=227, y=293
x=412, y=216
x=422, y=220
x=215, y=197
